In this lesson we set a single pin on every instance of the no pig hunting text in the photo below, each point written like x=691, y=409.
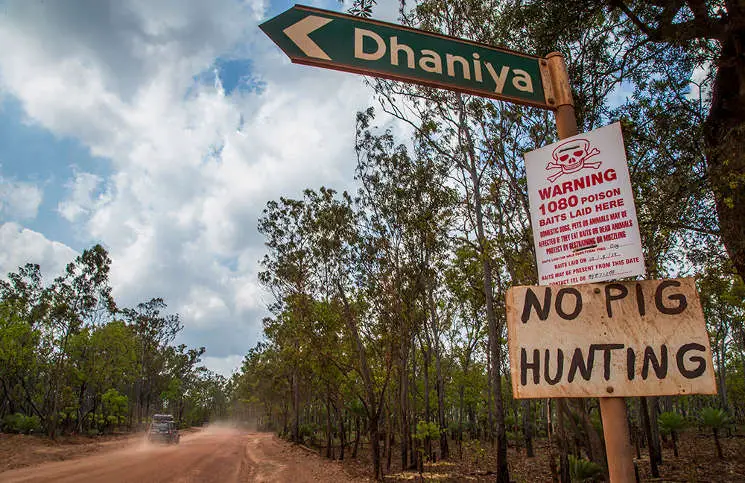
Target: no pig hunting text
x=598, y=359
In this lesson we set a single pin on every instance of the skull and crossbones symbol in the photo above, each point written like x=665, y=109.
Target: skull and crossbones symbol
x=572, y=156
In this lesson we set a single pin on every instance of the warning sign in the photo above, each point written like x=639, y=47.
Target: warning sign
x=582, y=209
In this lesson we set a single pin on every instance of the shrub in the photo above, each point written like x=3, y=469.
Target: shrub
x=20, y=423
x=582, y=470
x=671, y=423
x=308, y=431
x=716, y=419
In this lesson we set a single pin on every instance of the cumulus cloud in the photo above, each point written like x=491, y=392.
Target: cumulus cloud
x=21, y=245
x=81, y=196
x=192, y=167
x=19, y=200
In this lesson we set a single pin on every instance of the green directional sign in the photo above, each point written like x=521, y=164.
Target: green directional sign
x=332, y=40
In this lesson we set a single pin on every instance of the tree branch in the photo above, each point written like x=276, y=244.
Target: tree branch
x=700, y=27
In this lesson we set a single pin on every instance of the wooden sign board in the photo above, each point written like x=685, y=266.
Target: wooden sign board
x=620, y=339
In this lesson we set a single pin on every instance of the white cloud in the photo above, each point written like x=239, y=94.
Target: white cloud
x=22, y=246
x=180, y=222
x=80, y=200
x=19, y=200
x=223, y=365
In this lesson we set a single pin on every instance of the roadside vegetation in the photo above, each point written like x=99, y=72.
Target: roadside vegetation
x=72, y=361
x=386, y=340
x=388, y=318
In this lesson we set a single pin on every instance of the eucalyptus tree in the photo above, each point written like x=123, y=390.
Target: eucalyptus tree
x=287, y=275
x=409, y=210
x=724, y=309
x=154, y=330
x=462, y=279
x=24, y=348
x=80, y=297
x=70, y=360
x=616, y=73
x=338, y=248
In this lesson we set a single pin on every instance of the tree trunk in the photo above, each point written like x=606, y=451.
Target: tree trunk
x=719, y=445
x=551, y=452
x=375, y=436
x=388, y=439
x=285, y=417
x=342, y=435
x=594, y=443
x=527, y=428
x=440, y=383
x=561, y=411
x=367, y=379
x=461, y=390
x=724, y=132
x=495, y=344
x=722, y=370
x=296, y=407
x=391, y=442
x=81, y=411
x=651, y=446
x=403, y=398
x=489, y=398
x=356, y=436
x=427, y=411
x=655, y=427
x=328, y=427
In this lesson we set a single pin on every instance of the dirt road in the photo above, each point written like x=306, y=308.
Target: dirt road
x=211, y=455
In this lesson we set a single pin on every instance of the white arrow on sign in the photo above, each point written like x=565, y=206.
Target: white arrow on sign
x=298, y=33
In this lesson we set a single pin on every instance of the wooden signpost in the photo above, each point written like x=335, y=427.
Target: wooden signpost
x=612, y=409
x=644, y=338
x=623, y=353
x=616, y=339
x=624, y=339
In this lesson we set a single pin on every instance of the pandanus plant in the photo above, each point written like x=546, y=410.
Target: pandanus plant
x=716, y=419
x=582, y=470
x=672, y=423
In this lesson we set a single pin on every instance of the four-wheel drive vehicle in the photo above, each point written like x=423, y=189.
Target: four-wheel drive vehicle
x=163, y=429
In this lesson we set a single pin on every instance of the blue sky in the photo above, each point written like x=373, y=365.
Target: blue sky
x=160, y=130
x=32, y=154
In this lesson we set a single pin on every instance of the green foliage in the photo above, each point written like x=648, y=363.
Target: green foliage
x=515, y=437
x=72, y=361
x=582, y=470
x=509, y=420
x=114, y=407
x=20, y=423
x=671, y=421
x=476, y=449
x=308, y=430
x=596, y=422
x=426, y=430
x=715, y=418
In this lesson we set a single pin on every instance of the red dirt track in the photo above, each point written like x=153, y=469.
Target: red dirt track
x=211, y=455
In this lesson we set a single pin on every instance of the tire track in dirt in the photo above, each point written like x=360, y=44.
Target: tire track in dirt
x=213, y=455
